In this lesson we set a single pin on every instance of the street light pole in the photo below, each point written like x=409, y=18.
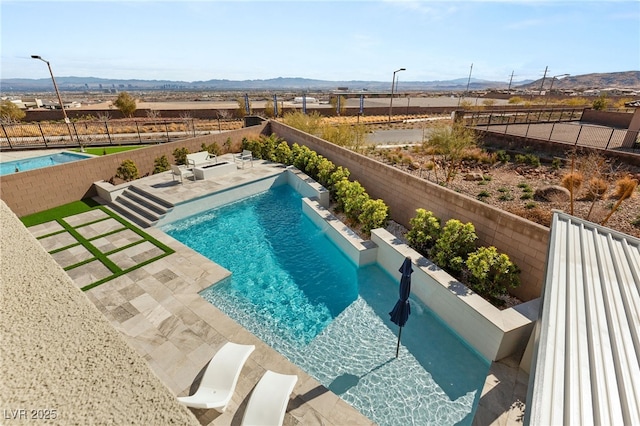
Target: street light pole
x=55, y=86
x=393, y=83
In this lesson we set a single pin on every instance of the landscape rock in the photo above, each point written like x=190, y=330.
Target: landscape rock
x=473, y=177
x=552, y=193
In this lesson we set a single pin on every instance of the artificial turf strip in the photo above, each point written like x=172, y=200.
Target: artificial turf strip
x=59, y=213
x=109, y=149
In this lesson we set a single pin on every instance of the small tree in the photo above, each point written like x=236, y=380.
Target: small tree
x=491, y=273
x=10, y=112
x=453, y=246
x=126, y=104
x=127, y=171
x=425, y=230
x=212, y=149
x=161, y=164
x=180, y=155
x=451, y=143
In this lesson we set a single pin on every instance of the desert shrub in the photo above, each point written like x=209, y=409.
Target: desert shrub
x=309, y=123
x=596, y=188
x=282, y=153
x=425, y=230
x=453, y=246
x=601, y=103
x=374, y=215
x=529, y=159
x=625, y=188
x=227, y=145
x=160, y=164
x=483, y=194
x=526, y=196
x=491, y=273
x=502, y=156
x=556, y=163
x=127, y=171
x=180, y=155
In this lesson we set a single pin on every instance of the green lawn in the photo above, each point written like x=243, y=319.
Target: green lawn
x=106, y=150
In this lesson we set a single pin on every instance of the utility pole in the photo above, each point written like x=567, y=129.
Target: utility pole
x=543, y=78
x=510, y=80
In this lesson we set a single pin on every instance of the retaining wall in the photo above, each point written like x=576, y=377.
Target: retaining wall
x=524, y=241
x=41, y=189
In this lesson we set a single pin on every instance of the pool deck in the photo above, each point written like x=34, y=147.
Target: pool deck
x=158, y=310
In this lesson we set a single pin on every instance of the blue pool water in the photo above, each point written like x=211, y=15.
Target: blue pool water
x=293, y=288
x=9, y=167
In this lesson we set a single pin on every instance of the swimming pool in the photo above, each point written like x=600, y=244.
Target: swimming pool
x=294, y=289
x=39, y=162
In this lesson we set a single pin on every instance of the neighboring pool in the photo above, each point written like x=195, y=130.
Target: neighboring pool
x=32, y=163
x=294, y=289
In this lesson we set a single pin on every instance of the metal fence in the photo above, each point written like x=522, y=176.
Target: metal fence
x=555, y=126
x=100, y=133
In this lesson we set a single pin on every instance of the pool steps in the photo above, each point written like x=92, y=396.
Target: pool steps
x=140, y=206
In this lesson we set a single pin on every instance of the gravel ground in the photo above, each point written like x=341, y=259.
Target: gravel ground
x=504, y=187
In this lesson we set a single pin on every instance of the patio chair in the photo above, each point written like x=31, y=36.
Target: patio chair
x=182, y=172
x=269, y=400
x=220, y=378
x=243, y=157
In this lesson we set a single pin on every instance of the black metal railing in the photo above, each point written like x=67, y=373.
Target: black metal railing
x=87, y=133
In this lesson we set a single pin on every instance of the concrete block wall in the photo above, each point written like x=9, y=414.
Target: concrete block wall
x=524, y=241
x=41, y=189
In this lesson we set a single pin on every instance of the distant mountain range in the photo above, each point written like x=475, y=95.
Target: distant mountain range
x=629, y=79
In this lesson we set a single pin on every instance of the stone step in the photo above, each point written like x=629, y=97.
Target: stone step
x=148, y=203
x=131, y=214
x=143, y=192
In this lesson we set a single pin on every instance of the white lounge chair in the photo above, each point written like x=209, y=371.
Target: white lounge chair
x=220, y=378
x=182, y=172
x=269, y=400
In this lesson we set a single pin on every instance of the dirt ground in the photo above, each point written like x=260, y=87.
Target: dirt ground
x=513, y=187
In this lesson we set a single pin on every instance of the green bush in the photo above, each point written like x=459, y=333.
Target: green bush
x=530, y=159
x=282, y=153
x=127, y=171
x=351, y=196
x=453, y=246
x=502, y=156
x=374, y=215
x=425, y=230
x=325, y=170
x=338, y=175
x=491, y=273
x=483, y=194
x=160, y=164
x=212, y=149
x=180, y=155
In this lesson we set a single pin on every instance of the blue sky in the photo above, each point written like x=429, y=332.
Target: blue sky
x=359, y=40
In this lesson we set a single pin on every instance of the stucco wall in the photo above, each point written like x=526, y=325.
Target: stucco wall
x=524, y=241
x=41, y=189
x=60, y=358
